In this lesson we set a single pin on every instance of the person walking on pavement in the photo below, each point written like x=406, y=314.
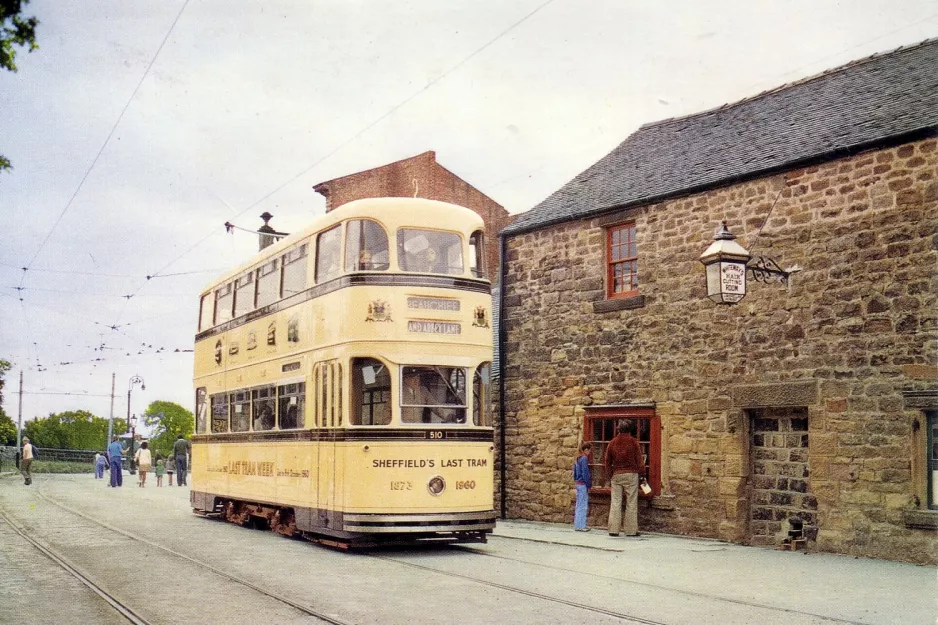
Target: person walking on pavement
x=181, y=451
x=583, y=479
x=623, y=462
x=26, y=460
x=144, y=460
x=115, y=454
x=170, y=467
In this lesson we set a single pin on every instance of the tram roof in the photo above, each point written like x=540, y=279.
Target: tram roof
x=392, y=212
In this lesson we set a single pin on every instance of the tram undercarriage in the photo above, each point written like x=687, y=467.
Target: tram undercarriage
x=373, y=530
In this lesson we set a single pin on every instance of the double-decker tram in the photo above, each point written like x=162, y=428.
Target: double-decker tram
x=342, y=380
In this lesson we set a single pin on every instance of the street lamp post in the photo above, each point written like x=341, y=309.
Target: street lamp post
x=132, y=426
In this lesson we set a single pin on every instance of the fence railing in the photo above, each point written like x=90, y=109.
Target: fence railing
x=9, y=456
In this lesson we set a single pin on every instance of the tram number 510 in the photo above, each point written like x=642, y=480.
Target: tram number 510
x=436, y=435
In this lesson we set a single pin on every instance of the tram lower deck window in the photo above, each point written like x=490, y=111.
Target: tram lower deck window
x=433, y=395
x=291, y=403
x=371, y=392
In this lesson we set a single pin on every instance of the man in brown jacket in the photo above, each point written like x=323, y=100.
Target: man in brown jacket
x=623, y=462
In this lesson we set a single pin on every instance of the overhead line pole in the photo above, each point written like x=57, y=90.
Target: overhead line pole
x=110, y=419
x=19, y=427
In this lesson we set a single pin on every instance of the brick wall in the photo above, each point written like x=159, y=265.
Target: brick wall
x=852, y=332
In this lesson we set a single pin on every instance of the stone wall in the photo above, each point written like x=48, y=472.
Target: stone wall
x=853, y=330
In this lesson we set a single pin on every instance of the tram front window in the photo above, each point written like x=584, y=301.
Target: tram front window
x=429, y=251
x=433, y=395
x=371, y=392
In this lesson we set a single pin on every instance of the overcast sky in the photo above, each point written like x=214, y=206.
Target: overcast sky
x=139, y=128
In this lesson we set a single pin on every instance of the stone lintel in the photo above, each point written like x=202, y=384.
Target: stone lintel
x=924, y=400
x=776, y=395
x=921, y=519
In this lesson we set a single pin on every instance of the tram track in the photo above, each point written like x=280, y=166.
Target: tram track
x=120, y=607
x=598, y=610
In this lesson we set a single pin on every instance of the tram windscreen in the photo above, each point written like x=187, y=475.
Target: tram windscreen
x=429, y=251
x=433, y=395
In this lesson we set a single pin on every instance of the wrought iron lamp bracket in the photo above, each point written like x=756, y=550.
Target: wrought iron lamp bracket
x=766, y=270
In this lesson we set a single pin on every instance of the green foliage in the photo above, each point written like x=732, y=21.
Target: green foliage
x=58, y=466
x=168, y=421
x=74, y=429
x=7, y=427
x=15, y=30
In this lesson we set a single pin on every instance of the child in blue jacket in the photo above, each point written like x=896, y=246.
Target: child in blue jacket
x=583, y=479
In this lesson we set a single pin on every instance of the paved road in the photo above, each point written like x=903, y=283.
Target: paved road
x=146, y=548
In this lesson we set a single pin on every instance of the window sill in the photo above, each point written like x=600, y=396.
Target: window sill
x=921, y=519
x=624, y=303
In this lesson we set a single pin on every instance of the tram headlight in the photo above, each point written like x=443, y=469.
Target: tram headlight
x=436, y=485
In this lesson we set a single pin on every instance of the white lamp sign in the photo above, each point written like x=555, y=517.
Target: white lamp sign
x=725, y=261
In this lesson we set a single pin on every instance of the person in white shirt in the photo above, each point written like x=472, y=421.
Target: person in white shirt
x=144, y=461
x=26, y=460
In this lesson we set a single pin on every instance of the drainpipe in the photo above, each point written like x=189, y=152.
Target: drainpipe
x=502, y=361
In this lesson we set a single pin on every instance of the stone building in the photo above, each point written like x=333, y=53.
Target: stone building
x=814, y=400
x=420, y=176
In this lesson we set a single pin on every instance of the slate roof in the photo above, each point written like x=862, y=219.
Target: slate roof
x=850, y=108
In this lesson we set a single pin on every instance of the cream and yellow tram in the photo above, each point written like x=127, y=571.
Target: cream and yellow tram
x=342, y=380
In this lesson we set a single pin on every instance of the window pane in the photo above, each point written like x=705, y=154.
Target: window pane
x=477, y=255
x=244, y=295
x=224, y=298
x=481, y=397
x=201, y=411
x=219, y=413
x=429, y=251
x=268, y=283
x=366, y=246
x=433, y=395
x=371, y=392
x=264, y=406
x=291, y=405
x=240, y=411
x=328, y=247
x=206, y=312
x=294, y=271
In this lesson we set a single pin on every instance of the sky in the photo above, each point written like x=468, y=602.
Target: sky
x=139, y=128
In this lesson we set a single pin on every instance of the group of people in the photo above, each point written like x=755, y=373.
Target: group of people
x=177, y=462
x=623, y=463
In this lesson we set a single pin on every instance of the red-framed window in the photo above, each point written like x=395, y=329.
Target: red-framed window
x=599, y=428
x=621, y=261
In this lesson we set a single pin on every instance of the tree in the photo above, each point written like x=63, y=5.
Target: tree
x=168, y=421
x=7, y=427
x=15, y=30
x=73, y=429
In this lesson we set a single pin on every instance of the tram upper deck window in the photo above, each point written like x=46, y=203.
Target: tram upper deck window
x=429, y=251
x=291, y=404
x=366, y=246
x=240, y=411
x=219, y=413
x=477, y=254
x=433, y=395
x=206, y=311
x=224, y=297
x=244, y=295
x=263, y=408
x=294, y=270
x=268, y=283
x=328, y=254
x=481, y=396
x=371, y=392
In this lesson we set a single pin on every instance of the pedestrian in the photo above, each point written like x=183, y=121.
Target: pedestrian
x=583, y=480
x=181, y=451
x=170, y=468
x=144, y=461
x=160, y=469
x=26, y=460
x=115, y=454
x=623, y=462
x=99, y=463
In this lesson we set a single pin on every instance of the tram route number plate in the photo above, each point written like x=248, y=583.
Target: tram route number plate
x=433, y=327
